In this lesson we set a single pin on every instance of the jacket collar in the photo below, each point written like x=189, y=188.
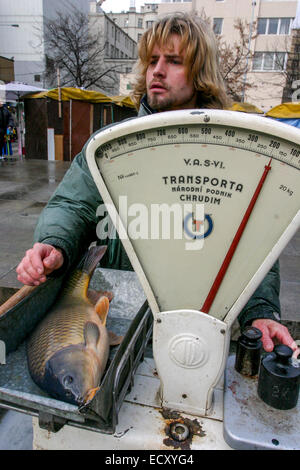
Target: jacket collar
x=145, y=109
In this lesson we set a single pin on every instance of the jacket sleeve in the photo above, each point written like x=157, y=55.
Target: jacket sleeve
x=264, y=303
x=11, y=121
x=69, y=219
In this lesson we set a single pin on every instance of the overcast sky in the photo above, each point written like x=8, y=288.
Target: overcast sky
x=119, y=5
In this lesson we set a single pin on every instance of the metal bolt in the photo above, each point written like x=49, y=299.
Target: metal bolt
x=206, y=118
x=179, y=431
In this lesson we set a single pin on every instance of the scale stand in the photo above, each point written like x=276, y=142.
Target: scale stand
x=230, y=182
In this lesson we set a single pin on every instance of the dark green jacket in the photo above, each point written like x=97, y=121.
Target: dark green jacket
x=69, y=221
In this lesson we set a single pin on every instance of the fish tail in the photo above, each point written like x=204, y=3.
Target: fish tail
x=90, y=262
x=92, y=258
x=78, y=282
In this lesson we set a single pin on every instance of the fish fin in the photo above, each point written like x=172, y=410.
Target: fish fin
x=94, y=295
x=90, y=395
x=92, y=258
x=91, y=335
x=114, y=339
x=101, y=308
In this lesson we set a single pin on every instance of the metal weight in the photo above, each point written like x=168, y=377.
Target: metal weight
x=279, y=379
x=248, y=352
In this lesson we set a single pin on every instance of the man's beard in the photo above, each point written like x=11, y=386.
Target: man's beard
x=167, y=103
x=160, y=104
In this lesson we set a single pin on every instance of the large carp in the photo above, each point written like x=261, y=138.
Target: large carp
x=68, y=351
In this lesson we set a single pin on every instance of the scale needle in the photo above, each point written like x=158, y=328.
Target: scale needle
x=219, y=278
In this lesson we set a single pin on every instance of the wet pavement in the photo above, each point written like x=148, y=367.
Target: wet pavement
x=25, y=187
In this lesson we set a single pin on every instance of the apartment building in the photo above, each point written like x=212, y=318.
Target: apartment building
x=273, y=20
x=119, y=49
x=21, y=34
x=135, y=23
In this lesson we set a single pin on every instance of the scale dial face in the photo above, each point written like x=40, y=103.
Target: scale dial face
x=182, y=182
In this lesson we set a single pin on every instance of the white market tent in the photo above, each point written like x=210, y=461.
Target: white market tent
x=14, y=90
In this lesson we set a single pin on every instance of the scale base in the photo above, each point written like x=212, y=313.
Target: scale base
x=143, y=424
x=251, y=424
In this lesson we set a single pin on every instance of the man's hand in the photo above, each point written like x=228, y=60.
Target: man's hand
x=274, y=333
x=39, y=261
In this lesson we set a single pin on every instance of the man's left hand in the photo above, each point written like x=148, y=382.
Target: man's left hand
x=274, y=333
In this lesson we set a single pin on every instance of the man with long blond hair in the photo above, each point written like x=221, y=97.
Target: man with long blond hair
x=183, y=44
x=177, y=69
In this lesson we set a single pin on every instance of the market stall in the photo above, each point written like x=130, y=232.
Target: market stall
x=59, y=121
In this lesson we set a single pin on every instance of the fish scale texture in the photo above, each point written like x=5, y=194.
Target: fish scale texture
x=63, y=326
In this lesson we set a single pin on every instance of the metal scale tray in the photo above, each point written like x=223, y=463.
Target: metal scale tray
x=251, y=424
x=129, y=316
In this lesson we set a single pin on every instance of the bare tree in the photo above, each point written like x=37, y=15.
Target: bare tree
x=286, y=57
x=235, y=59
x=76, y=53
x=292, y=70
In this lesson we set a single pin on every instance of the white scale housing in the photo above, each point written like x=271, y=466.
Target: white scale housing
x=185, y=158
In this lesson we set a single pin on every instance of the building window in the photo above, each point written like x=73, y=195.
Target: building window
x=274, y=25
x=217, y=25
x=140, y=22
x=261, y=25
x=149, y=24
x=269, y=61
x=139, y=36
x=37, y=78
x=285, y=24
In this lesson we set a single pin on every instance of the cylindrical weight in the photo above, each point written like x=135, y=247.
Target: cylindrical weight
x=278, y=381
x=248, y=352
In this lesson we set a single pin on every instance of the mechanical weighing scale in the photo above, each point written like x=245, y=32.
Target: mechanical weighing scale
x=204, y=202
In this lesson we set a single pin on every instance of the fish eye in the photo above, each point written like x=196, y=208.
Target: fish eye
x=68, y=379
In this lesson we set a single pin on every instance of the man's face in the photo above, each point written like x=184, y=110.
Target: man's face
x=167, y=81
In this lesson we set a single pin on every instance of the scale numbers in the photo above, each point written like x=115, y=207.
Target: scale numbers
x=204, y=134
